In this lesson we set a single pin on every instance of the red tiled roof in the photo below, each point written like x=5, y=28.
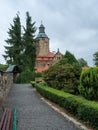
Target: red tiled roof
x=47, y=57
x=50, y=54
x=42, y=58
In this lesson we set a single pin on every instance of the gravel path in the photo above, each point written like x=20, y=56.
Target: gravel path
x=33, y=113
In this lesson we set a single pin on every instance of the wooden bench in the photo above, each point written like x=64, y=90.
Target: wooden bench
x=7, y=120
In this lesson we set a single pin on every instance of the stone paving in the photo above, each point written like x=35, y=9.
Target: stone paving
x=33, y=113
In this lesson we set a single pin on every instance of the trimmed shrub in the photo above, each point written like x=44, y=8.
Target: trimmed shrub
x=27, y=76
x=80, y=107
x=33, y=83
x=89, y=83
x=63, y=77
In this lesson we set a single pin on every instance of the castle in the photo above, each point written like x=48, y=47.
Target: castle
x=44, y=58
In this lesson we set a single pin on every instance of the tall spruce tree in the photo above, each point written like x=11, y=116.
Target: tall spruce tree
x=14, y=48
x=95, y=55
x=29, y=43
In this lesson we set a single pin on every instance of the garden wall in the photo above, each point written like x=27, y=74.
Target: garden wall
x=6, y=82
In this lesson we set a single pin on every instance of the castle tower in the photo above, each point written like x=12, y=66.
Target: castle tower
x=44, y=58
x=42, y=47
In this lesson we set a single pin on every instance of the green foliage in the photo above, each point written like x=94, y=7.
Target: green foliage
x=70, y=58
x=33, y=83
x=3, y=67
x=14, y=48
x=21, y=47
x=64, y=75
x=89, y=83
x=27, y=76
x=82, y=62
x=80, y=107
x=29, y=43
x=95, y=55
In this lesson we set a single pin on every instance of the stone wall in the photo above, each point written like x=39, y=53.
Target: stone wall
x=6, y=82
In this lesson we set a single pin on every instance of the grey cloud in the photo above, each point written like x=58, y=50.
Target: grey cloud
x=70, y=24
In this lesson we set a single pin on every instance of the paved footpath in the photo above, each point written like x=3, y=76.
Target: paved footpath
x=33, y=113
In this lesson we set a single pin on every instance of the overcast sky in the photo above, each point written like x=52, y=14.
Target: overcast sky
x=70, y=24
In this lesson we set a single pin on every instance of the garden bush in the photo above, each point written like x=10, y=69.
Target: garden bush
x=89, y=83
x=63, y=77
x=3, y=67
x=65, y=74
x=27, y=76
x=80, y=107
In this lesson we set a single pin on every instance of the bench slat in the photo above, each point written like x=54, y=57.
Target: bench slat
x=8, y=120
x=11, y=124
x=11, y=120
x=5, y=121
x=2, y=120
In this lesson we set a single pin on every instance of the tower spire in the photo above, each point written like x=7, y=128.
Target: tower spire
x=42, y=33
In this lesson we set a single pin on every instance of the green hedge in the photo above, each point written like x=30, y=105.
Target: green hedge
x=26, y=76
x=80, y=107
x=89, y=83
x=33, y=83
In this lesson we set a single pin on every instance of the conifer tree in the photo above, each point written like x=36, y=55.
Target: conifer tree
x=89, y=83
x=82, y=62
x=14, y=48
x=70, y=58
x=29, y=43
x=95, y=58
x=21, y=49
